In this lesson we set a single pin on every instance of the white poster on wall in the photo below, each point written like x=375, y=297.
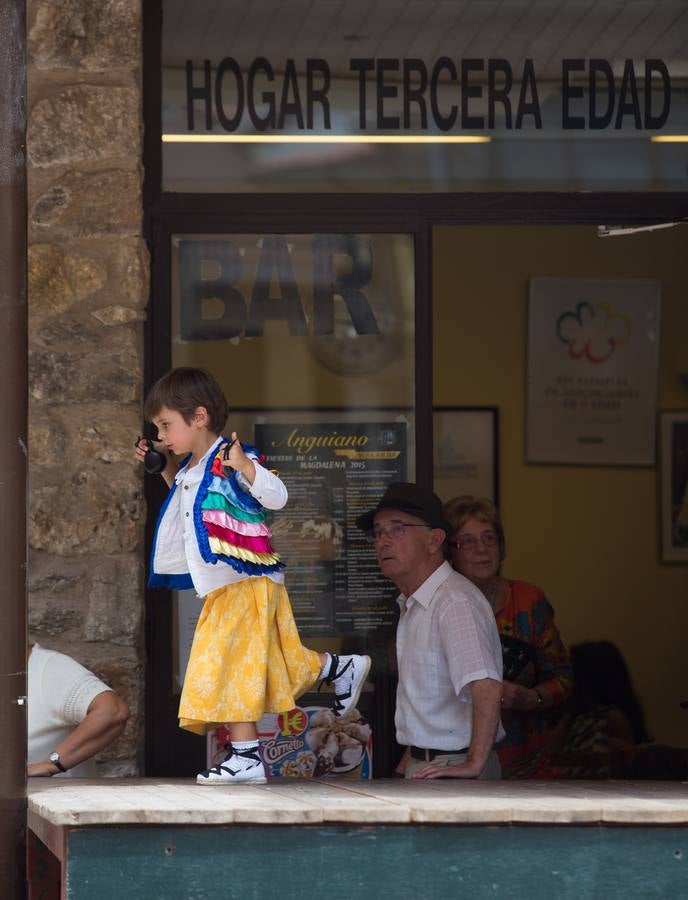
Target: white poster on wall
x=593, y=347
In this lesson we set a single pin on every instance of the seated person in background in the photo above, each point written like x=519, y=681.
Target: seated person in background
x=599, y=733
x=537, y=672
x=72, y=715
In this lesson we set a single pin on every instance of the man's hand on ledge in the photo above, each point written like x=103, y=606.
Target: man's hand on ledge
x=43, y=769
x=460, y=770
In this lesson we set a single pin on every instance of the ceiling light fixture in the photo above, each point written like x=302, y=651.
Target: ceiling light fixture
x=325, y=139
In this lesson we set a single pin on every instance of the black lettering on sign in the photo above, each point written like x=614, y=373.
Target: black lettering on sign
x=626, y=106
x=362, y=66
x=276, y=102
x=498, y=94
x=652, y=66
x=444, y=123
x=469, y=90
x=415, y=94
x=597, y=120
x=317, y=94
x=275, y=258
x=229, y=123
x=327, y=284
x=208, y=271
x=290, y=107
x=528, y=107
x=386, y=90
x=570, y=92
x=261, y=123
x=198, y=93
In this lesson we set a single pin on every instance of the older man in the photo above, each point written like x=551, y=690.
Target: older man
x=448, y=650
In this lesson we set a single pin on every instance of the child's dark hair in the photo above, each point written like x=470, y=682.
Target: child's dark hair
x=185, y=389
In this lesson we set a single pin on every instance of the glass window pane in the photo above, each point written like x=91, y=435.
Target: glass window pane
x=312, y=338
x=294, y=98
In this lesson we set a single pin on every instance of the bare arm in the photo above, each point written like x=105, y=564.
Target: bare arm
x=105, y=720
x=486, y=694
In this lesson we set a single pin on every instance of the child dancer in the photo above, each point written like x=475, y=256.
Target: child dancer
x=246, y=657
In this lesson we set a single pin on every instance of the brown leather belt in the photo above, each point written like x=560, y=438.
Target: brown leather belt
x=429, y=754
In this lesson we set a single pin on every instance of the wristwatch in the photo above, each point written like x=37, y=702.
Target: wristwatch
x=56, y=761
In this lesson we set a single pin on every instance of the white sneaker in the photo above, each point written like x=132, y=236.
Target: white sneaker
x=347, y=675
x=238, y=767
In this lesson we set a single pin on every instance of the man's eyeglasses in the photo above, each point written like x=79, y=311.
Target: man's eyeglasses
x=469, y=542
x=395, y=530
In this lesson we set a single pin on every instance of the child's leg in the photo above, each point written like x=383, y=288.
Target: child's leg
x=242, y=731
x=243, y=764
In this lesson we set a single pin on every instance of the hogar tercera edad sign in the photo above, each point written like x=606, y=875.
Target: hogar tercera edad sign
x=411, y=95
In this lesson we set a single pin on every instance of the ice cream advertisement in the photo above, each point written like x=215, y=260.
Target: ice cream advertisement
x=308, y=742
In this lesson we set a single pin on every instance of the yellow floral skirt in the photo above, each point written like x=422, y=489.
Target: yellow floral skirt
x=246, y=657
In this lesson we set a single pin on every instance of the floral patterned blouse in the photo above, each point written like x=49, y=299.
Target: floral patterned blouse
x=534, y=656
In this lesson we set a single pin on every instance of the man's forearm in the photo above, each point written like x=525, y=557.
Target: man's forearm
x=105, y=721
x=97, y=730
x=486, y=695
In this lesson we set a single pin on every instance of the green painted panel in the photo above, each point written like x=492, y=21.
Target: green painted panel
x=376, y=863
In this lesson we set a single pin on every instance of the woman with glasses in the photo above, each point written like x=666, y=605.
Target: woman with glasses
x=537, y=671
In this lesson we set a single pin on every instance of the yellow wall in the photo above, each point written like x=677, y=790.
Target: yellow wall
x=587, y=535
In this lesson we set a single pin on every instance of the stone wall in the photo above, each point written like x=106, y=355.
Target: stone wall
x=88, y=287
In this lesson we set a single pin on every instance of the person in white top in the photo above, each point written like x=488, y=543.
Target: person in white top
x=448, y=650
x=72, y=715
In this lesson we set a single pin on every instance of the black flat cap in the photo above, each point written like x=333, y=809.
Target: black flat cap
x=409, y=498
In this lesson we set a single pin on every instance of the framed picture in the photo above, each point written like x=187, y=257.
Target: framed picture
x=593, y=352
x=466, y=451
x=674, y=485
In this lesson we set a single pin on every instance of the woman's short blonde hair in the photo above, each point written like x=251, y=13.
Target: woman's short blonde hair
x=460, y=509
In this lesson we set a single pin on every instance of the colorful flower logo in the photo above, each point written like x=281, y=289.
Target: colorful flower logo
x=593, y=332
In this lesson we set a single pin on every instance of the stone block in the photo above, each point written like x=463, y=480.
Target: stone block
x=93, y=512
x=52, y=616
x=48, y=575
x=115, y=601
x=88, y=204
x=108, y=439
x=59, y=278
x=78, y=330
x=84, y=123
x=81, y=34
x=69, y=377
x=130, y=272
x=118, y=315
x=48, y=439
